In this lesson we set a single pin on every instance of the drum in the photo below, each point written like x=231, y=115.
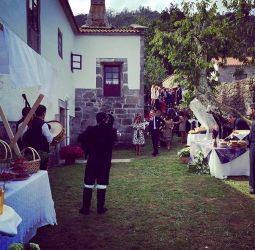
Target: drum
x=57, y=130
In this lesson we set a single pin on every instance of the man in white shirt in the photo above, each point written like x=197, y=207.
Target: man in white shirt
x=38, y=136
x=155, y=125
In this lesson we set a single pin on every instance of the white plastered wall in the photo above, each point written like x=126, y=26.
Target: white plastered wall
x=107, y=46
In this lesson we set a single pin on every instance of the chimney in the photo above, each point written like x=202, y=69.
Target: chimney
x=97, y=15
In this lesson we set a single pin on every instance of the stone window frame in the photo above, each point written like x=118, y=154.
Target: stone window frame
x=100, y=63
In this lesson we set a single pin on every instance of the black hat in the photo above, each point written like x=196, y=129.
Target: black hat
x=40, y=110
x=101, y=116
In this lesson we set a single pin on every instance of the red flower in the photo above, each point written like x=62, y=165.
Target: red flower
x=71, y=151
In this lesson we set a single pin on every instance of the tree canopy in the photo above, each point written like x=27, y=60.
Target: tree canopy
x=186, y=39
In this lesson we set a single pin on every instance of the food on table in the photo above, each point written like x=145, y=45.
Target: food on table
x=19, y=169
x=222, y=143
x=192, y=132
x=237, y=144
x=17, y=163
x=6, y=176
x=20, y=172
x=198, y=130
x=242, y=144
x=241, y=132
x=21, y=176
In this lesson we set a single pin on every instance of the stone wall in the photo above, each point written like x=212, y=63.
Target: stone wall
x=226, y=73
x=88, y=103
x=237, y=94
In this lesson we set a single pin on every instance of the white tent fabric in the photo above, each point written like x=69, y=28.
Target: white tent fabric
x=4, y=57
x=206, y=119
x=25, y=66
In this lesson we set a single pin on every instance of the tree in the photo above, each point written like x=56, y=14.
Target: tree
x=202, y=35
x=155, y=73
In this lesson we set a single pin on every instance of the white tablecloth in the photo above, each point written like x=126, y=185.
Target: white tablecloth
x=32, y=200
x=237, y=167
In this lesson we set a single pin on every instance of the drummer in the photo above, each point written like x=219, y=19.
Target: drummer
x=38, y=136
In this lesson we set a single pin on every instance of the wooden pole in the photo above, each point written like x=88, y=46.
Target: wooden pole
x=9, y=131
x=27, y=119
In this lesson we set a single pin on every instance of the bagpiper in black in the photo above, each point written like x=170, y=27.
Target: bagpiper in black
x=97, y=143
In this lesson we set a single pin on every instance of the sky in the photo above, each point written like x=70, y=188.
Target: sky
x=82, y=6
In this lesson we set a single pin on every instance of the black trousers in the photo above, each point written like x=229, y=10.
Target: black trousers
x=97, y=174
x=252, y=166
x=155, y=134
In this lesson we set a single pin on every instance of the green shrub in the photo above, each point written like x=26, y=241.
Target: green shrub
x=199, y=165
x=184, y=152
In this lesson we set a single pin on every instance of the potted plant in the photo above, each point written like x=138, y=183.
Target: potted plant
x=199, y=165
x=184, y=155
x=70, y=153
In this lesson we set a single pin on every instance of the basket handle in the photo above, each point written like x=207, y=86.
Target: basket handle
x=6, y=148
x=34, y=152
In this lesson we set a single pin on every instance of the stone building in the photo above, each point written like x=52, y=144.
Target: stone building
x=238, y=94
x=89, y=69
x=227, y=73
x=113, y=79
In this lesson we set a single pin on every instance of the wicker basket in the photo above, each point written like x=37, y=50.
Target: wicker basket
x=32, y=166
x=7, y=155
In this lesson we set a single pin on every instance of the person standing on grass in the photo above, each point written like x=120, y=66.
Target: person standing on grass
x=182, y=126
x=138, y=135
x=155, y=125
x=39, y=137
x=167, y=131
x=252, y=152
x=97, y=143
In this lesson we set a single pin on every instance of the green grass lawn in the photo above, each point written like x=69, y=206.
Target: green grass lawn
x=154, y=203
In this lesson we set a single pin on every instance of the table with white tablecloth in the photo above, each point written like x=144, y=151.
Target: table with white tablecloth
x=236, y=167
x=33, y=202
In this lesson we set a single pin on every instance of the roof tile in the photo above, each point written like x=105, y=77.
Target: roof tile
x=107, y=30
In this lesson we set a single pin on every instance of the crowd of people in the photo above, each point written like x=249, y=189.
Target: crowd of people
x=162, y=120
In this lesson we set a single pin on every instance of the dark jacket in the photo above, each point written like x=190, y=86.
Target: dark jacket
x=97, y=143
x=34, y=137
x=159, y=123
x=241, y=124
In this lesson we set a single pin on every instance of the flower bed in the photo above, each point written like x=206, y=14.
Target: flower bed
x=70, y=153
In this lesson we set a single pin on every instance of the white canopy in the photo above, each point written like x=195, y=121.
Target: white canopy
x=25, y=67
x=206, y=119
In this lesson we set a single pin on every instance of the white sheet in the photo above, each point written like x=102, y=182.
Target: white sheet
x=26, y=67
x=207, y=120
x=4, y=57
x=9, y=221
